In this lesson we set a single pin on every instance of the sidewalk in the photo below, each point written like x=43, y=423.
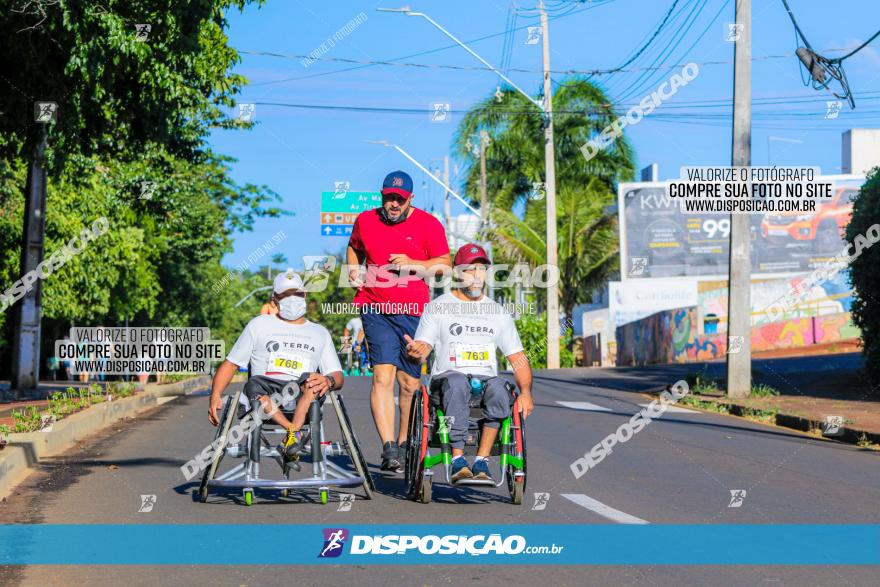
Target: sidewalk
x=810, y=389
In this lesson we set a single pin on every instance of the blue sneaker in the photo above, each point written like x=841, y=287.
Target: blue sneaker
x=481, y=470
x=460, y=469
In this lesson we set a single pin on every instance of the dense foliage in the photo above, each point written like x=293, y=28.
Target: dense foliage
x=865, y=270
x=129, y=143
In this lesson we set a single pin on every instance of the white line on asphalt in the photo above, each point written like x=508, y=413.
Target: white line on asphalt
x=674, y=409
x=583, y=406
x=603, y=510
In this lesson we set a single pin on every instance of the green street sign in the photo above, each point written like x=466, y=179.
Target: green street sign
x=349, y=202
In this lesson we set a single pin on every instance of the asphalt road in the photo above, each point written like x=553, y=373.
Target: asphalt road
x=681, y=468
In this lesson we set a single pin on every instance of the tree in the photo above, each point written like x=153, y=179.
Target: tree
x=587, y=239
x=117, y=86
x=134, y=105
x=864, y=271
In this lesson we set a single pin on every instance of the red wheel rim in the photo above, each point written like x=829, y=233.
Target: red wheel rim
x=423, y=450
x=517, y=425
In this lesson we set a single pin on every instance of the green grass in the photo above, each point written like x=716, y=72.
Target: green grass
x=763, y=390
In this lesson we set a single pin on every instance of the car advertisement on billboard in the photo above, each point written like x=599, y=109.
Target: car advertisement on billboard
x=658, y=240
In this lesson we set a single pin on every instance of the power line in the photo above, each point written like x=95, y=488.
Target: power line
x=588, y=72
x=645, y=45
x=429, y=51
x=822, y=69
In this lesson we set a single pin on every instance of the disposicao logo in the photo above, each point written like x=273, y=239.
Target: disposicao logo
x=334, y=541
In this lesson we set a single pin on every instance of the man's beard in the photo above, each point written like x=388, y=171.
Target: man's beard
x=473, y=293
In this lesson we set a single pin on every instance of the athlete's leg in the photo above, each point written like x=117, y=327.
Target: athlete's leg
x=496, y=399
x=382, y=400
x=407, y=386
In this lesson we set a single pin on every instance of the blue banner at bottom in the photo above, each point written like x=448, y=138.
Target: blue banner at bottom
x=361, y=544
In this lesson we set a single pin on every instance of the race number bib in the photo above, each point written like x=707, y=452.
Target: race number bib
x=287, y=363
x=474, y=355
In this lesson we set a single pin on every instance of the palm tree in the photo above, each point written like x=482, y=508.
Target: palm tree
x=587, y=237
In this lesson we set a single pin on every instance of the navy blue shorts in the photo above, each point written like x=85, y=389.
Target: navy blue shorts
x=384, y=334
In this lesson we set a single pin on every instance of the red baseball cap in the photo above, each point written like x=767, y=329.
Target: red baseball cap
x=471, y=253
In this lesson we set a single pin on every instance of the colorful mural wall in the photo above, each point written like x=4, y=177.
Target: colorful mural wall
x=672, y=336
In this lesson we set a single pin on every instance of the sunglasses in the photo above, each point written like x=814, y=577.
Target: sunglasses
x=394, y=198
x=299, y=294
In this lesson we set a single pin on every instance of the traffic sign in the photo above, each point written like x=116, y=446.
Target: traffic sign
x=339, y=210
x=341, y=202
x=336, y=229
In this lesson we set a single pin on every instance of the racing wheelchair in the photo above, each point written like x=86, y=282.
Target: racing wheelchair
x=254, y=445
x=429, y=444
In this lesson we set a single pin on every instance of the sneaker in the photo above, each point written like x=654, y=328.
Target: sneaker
x=292, y=444
x=481, y=470
x=391, y=458
x=460, y=469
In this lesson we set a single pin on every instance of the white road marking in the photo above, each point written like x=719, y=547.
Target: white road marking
x=603, y=510
x=583, y=406
x=675, y=409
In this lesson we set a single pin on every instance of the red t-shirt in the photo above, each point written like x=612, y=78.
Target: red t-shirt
x=420, y=236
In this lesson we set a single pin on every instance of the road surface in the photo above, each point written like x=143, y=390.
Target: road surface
x=681, y=468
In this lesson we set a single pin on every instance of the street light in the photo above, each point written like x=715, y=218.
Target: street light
x=407, y=11
x=425, y=169
x=242, y=300
x=549, y=165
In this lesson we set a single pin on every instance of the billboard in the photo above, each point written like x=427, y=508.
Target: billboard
x=633, y=300
x=657, y=240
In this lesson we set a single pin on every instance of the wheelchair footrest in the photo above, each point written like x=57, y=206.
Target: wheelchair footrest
x=473, y=482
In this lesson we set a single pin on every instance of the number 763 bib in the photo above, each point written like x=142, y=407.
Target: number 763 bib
x=475, y=355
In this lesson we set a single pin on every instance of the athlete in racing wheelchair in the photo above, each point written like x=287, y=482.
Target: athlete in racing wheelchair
x=466, y=403
x=294, y=368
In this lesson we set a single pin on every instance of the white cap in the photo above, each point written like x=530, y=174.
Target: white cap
x=287, y=280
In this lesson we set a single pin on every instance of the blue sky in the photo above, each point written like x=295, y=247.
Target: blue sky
x=300, y=152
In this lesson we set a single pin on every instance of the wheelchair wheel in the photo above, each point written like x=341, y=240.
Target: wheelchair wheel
x=517, y=485
x=352, y=444
x=228, y=415
x=418, y=485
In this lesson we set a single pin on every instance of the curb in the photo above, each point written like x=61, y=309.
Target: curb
x=26, y=449
x=799, y=423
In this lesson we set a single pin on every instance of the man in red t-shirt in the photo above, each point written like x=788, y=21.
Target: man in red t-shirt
x=400, y=245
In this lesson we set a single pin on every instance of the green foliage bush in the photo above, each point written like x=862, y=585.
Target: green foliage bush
x=865, y=272
x=533, y=333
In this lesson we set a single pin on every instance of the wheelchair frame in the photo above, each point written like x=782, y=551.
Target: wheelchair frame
x=324, y=474
x=428, y=429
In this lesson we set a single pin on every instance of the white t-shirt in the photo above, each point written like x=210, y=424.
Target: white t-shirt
x=354, y=327
x=283, y=351
x=465, y=334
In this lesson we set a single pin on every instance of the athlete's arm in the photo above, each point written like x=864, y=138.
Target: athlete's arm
x=430, y=267
x=354, y=259
x=416, y=349
x=225, y=372
x=522, y=373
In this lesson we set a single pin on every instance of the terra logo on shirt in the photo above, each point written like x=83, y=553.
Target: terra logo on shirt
x=455, y=329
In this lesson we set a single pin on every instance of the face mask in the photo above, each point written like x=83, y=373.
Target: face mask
x=292, y=307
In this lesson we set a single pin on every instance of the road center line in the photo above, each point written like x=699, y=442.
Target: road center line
x=603, y=510
x=675, y=409
x=583, y=406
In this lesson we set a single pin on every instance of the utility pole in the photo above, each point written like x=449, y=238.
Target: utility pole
x=739, y=310
x=446, y=209
x=26, y=337
x=484, y=196
x=550, y=189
